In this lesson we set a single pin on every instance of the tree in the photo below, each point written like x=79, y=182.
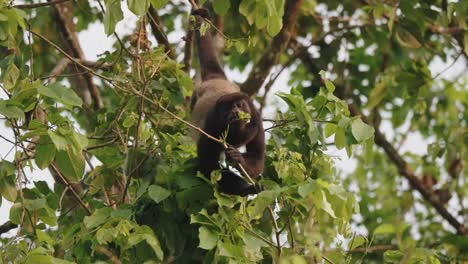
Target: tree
x=114, y=134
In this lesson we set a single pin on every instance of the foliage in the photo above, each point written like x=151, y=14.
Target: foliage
x=125, y=185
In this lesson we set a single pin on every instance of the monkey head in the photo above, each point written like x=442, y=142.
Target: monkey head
x=234, y=110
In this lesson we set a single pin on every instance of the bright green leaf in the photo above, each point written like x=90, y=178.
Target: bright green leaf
x=208, y=238
x=112, y=16
x=70, y=164
x=138, y=7
x=158, y=193
x=361, y=131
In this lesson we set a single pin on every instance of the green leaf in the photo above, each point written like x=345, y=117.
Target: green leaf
x=60, y=94
x=10, y=111
x=138, y=7
x=45, y=152
x=361, y=131
x=11, y=76
x=329, y=129
x=385, y=229
x=144, y=233
x=8, y=188
x=261, y=202
x=221, y=6
x=393, y=256
x=321, y=199
x=99, y=217
x=70, y=164
x=157, y=4
x=158, y=193
x=407, y=39
x=376, y=95
x=330, y=86
x=340, y=138
x=36, y=258
x=208, y=239
x=357, y=242
x=60, y=142
x=16, y=212
x=112, y=16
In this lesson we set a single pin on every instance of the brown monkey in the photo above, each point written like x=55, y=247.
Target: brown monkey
x=216, y=107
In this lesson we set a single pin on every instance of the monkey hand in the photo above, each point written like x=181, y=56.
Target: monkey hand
x=233, y=154
x=202, y=12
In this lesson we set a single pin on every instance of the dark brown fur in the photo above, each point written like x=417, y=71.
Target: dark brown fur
x=216, y=104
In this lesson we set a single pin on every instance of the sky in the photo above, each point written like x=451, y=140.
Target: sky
x=94, y=42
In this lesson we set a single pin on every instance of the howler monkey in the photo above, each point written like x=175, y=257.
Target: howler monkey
x=216, y=108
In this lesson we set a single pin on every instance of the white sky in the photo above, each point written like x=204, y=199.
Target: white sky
x=94, y=42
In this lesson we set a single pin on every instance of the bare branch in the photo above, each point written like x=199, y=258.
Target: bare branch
x=158, y=31
x=271, y=56
x=64, y=20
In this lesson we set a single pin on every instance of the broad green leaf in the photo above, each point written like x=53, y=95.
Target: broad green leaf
x=36, y=258
x=406, y=39
x=330, y=86
x=385, y=229
x=208, y=238
x=60, y=94
x=99, y=217
x=112, y=16
x=157, y=4
x=357, y=242
x=10, y=111
x=11, y=76
x=138, y=7
x=34, y=204
x=361, y=131
x=8, y=188
x=340, y=138
x=329, y=129
x=261, y=202
x=60, y=142
x=321, y=199
x=16, y=212
x=230, y=250
x=158, y=193
x=376, y=95
x=70, y=164
x=45, y=152
x=144, y=233
x=221, y=6
x=253, y=242
x=393, y=256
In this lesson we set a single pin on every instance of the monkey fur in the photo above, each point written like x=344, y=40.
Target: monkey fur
x=216, y=104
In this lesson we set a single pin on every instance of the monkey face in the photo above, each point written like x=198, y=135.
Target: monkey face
x=233, y=110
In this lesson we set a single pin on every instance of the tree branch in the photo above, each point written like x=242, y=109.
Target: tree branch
x=277, y=46
x=67, y=32
x=158, y=31
x=409, y=174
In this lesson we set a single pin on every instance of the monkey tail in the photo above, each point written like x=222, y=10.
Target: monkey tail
x=209, y=64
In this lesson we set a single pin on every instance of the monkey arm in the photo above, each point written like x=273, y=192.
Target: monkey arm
x=209, y=65
x=253, y=160
x=255, y=156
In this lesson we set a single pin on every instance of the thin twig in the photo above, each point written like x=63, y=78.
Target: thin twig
x=69, y=186
x=277, y=233
x=258, y=235
x=71, y=58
